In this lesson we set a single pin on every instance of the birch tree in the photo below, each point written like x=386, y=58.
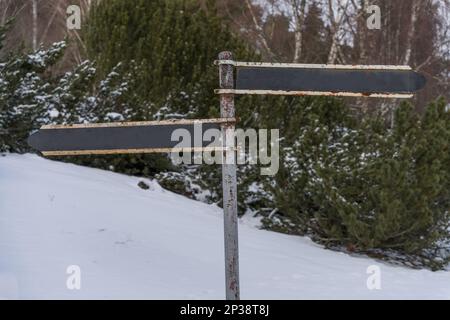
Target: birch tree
x=299, y=13
x=337, y=12
x=34, y=8
x=415, y=7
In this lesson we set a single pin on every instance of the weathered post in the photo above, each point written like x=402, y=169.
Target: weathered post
x=229, y=181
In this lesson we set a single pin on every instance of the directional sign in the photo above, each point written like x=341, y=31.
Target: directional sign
x=323, y=80
x=252, y=78
x=123, y=137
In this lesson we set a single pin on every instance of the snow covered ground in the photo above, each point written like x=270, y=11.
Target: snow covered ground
x=153, y=244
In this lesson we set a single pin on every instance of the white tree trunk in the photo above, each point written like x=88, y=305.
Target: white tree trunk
x=336, y=16
x=363, y=32
x=332, y=56
x=299, y=10
x=298, y=46
x=412, y=31
x=34, y=5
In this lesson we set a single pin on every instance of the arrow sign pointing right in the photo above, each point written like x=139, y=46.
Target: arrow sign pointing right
x=337, y=80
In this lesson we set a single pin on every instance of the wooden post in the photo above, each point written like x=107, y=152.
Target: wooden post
x=229, y=180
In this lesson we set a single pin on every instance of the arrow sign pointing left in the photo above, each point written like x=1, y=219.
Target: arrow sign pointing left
x=125, y=137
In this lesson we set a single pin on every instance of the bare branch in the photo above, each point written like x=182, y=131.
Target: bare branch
x=259, y=30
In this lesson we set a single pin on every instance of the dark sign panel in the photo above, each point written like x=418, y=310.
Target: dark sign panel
x=292, y=79
x=123, y=138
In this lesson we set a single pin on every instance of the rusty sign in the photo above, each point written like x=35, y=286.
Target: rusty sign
x=252, y=78
x=123, y=137
x=325, y=80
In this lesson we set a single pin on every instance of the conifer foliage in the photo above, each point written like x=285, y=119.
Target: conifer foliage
x=369, y=188
x=172, y=46
x=24, y=95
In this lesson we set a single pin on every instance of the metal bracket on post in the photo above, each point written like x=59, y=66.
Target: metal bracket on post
x=229, y=180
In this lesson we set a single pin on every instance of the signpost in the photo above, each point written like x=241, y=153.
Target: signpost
x=230, y=215
x=252, y=78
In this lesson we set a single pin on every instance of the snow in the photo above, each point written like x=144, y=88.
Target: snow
x=115, y=116
x=53, y=113
x=153, y=244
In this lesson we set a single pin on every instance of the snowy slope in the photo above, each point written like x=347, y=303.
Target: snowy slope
x=132, y=243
